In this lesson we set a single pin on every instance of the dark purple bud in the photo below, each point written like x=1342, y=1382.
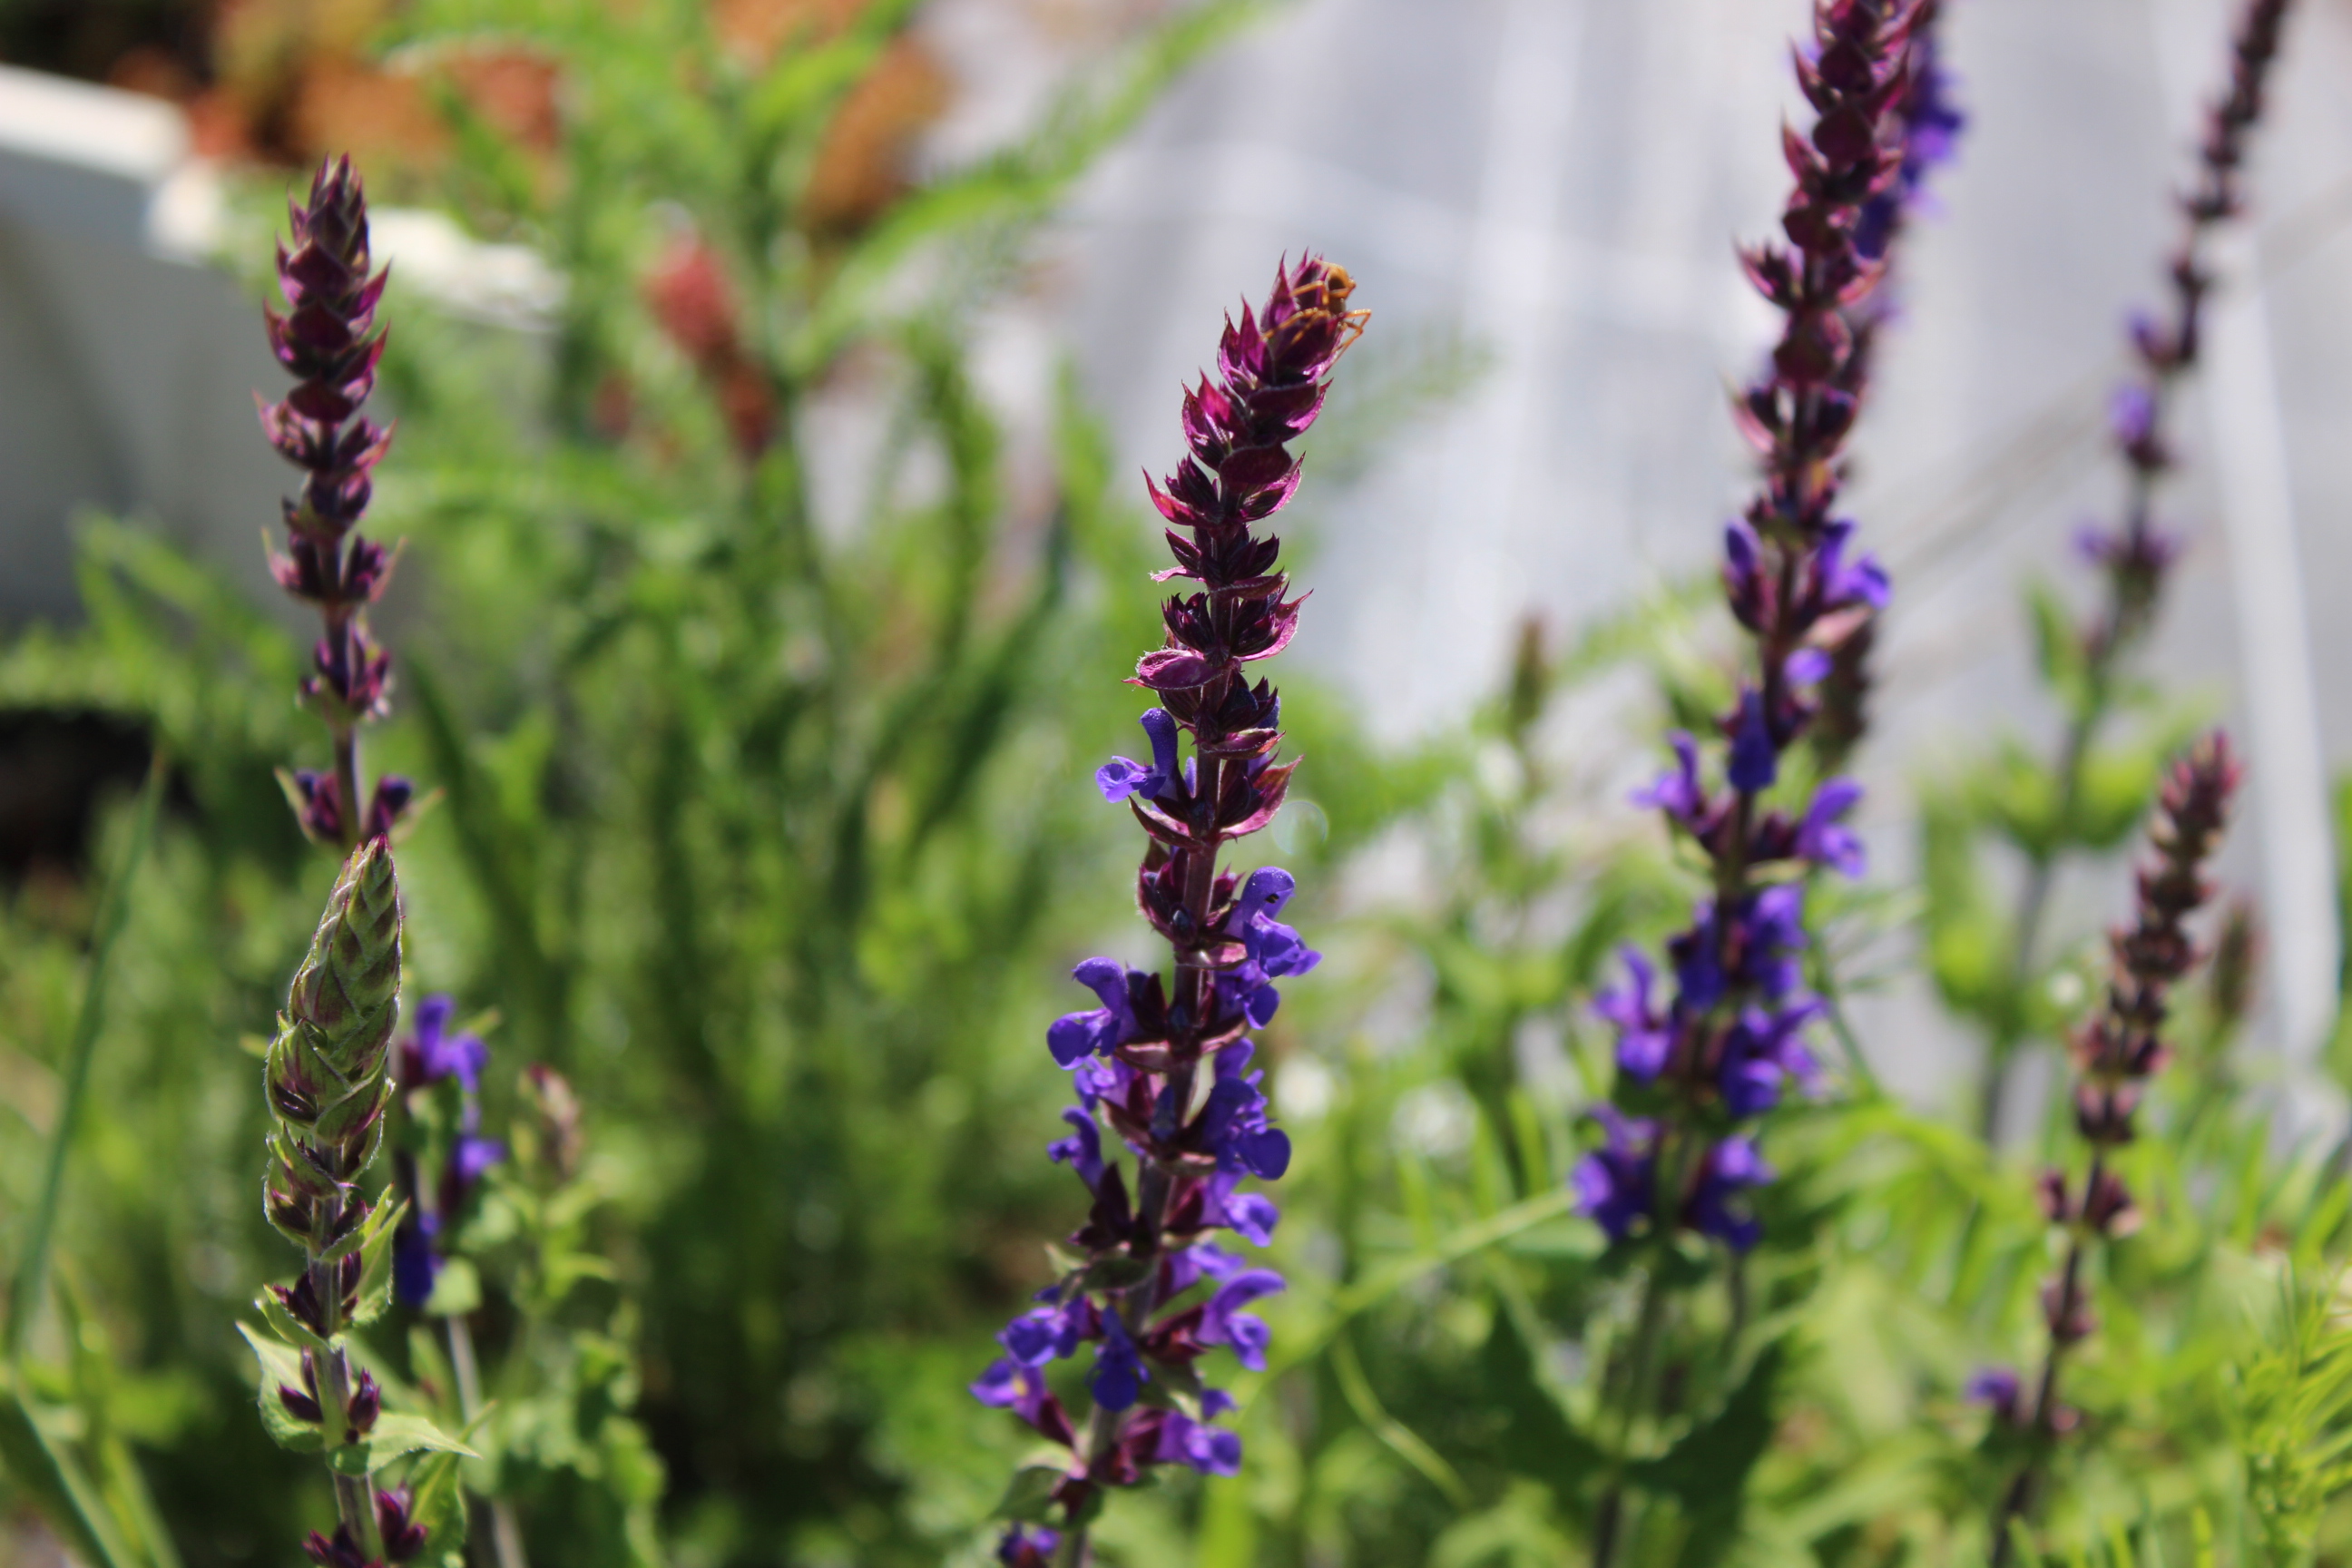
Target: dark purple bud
x=403, y=1538
x=366, y=1403
x=1755, y=756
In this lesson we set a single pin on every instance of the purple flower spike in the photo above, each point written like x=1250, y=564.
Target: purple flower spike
x=1139, y=1060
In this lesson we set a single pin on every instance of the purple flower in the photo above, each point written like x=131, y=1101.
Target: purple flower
x=1615, y=1183
x=1274, y=950
x=1715, y=1208
x=1755, y=754
x=1645, y=1038
x=1932, y=123
x=1187, y=1267
x=1119, y=1376
x=2131, y=413
x=431, y=1053
x=1222, y=1322
x=1250, y=1215
x=1762, y=1051
x=471, y=1156
x=1846, y=583
x=1082, y=1150
x=1769, y=931
x=1998, y=1387
x=1678, y=793
x=415, y=1263
x=1048, y=1333
x=1232, y=1123
x=1028, y=1546
x=1101, y=1077
x=1008, y=1385
x=1074, y=1036
x=1822, y=839
x=1210, y=1450
x=1120, y=777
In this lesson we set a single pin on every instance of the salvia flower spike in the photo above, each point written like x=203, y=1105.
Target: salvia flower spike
x=2135, y=557
x=329, y=340
x=1162, y=1065
x=2115, y=1053
x=1714, y=1037
x=327, y=1079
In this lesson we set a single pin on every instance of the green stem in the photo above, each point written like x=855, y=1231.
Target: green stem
x=1608, y=1519
x=506, y=1530
x=113, y=913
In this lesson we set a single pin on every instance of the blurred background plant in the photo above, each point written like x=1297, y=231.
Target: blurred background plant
x=759, y=664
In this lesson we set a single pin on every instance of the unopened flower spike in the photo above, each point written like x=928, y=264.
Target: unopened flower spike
x=2116, y=1051
x=327, y=1080
x=1154, y=1293
x=329, y=339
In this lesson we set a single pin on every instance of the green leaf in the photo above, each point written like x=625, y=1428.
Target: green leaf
x=281, y=1366
x=2057, y=645
x=45, y=1473
x=379, y=1223
x=1706, y=1470
x=375, y=1267
x=1537, y=1440
x=290, y=1329
x=1029, y=1497
x=395, y=1433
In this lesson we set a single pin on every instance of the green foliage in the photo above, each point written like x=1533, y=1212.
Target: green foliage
x=2293, y=1418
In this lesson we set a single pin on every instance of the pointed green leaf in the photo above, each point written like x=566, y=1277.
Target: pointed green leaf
x=281, y=1366
x=396, y=1434
x=288, y=1328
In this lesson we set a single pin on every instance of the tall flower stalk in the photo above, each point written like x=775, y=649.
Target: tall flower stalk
x=2115, y=1053
x=1700, y=1059
x=1163, y=1064
x=330, y=342
x=328, y=1086
x=2135, y=557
